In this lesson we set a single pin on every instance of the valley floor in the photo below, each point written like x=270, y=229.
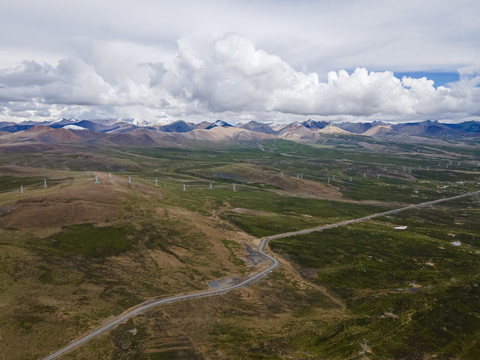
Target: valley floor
x=76, y=254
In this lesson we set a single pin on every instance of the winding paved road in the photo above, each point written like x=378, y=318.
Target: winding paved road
x=153, y=303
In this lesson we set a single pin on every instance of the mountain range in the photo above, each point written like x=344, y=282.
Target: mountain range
x=135, y=133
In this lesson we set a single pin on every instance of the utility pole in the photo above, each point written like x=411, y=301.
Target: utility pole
x=365, y=346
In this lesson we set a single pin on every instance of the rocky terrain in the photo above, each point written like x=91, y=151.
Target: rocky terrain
x=131, y=133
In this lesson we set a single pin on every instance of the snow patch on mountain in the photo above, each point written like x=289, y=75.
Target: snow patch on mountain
x=74, y=127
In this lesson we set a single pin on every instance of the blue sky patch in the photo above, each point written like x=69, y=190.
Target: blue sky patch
x=440, y=78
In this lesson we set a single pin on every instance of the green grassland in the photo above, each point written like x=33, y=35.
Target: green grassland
x=137, y=241
x=410, y=293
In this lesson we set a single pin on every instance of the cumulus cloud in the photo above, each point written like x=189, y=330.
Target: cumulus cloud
x=236, y=76
x=113, y=76
x=217, y=76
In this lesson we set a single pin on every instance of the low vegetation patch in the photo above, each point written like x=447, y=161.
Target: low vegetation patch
x=89, y=241
x=410, y=293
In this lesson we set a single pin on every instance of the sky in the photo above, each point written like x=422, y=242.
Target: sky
x=240, y=60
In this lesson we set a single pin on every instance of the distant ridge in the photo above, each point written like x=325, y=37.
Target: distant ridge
x=257, y=126
x=378, y=130
x=312, y=124
x=218, y=123
x=45, y=134
x=127, y=133
x=424, y=128
x=355, y=128
x=178, y=126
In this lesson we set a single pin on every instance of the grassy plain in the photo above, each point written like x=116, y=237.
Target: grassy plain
x=77, y=253
x=410, y=293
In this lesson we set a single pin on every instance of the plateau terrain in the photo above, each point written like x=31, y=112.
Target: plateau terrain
x=99, y=217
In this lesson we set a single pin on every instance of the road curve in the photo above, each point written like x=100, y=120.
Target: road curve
x=274, y=264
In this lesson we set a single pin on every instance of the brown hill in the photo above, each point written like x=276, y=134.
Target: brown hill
x=332, y=129
x=127, y=139
x=219, y=133
x=298, y=132
x=379, y=130
x=88, y=135
x=46, y=134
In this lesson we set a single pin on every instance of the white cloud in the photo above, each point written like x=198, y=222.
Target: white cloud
x=236, y=76
x=321, y=35
x=121, y=58
x=211, y=77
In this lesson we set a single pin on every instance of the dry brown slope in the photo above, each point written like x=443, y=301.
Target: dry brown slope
x=47, y=300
